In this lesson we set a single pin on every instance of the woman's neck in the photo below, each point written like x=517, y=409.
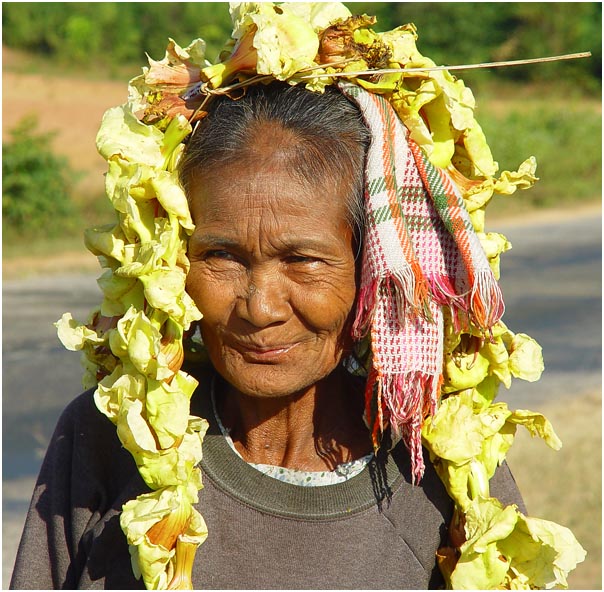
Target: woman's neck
x=315, y=430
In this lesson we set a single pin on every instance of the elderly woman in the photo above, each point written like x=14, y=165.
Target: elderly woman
x=293, y=496
x=296, y=302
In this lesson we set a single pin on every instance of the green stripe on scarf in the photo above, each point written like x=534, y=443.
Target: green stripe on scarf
x=441, y=198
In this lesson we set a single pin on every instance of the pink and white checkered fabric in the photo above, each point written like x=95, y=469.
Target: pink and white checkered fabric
x=420, y=254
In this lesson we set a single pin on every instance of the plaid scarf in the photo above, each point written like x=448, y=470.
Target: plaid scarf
x=420, y=254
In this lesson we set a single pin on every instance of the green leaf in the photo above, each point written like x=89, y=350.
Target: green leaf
x=75, y=335
x=542, y=551
x=454, y=433
x=172, y=466
x=137, y=517
x=319, y=15
x=139, y=340
x=172, y=197
x=123, y=383
x=119, y=294
x=178, y=129
x=108, y=240
x=523, y=178
x=481, y=565
x=496, y=353
x=163, y=290
x=168, y=408
x=464, y=370
x=484, y=393
x=494, y=244
x=132, y=429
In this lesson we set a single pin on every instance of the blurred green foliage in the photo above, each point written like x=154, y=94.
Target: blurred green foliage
x=36, y=186
x=566, y=140
x=111, y=33
x=473, y=32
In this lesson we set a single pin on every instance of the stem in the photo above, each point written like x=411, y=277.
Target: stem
x=569, y=56
x=183, y=567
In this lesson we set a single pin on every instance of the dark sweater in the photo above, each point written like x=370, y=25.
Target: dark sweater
x=375, y=531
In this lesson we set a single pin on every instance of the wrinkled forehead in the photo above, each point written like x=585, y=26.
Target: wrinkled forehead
x=275, y=164
x=267, y=186
x=270, y=147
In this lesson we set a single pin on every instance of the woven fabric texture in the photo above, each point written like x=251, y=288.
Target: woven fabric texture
x=420, y=254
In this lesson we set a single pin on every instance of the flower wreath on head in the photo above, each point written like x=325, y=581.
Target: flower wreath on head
x=133, y=343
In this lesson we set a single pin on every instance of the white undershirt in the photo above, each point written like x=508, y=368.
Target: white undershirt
x=341, y=473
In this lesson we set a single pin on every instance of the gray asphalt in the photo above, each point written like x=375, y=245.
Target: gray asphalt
x=552, y=286
x=551, y=281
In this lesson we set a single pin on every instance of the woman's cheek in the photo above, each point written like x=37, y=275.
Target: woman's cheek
x=328, y=305
x=210, y=293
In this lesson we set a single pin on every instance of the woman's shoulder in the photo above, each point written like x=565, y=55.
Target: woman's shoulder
x=86, y=441
x=82, y=420
x=81, y=408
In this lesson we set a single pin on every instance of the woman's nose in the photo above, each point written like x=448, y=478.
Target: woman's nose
x=265, y=302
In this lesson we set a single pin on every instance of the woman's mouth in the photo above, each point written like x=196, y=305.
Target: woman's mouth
x=269, y=354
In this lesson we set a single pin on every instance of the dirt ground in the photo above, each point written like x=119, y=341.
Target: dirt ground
x=71, y=107
x=572, y=497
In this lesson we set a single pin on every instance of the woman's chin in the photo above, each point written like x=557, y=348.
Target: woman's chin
x=272, y=380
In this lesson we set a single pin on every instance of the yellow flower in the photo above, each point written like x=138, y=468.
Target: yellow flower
x=526, y=359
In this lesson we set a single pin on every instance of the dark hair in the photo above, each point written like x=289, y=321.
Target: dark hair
x=329, y=137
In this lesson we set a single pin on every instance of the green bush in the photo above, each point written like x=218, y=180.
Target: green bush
x=116, y=34
x=36, y=183
x=566, y=140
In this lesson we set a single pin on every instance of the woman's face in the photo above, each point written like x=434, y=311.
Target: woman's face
x=273, y=273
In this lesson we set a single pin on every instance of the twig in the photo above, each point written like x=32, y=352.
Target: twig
x=569, y=56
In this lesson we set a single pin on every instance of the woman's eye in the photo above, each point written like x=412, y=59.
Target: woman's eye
x=218, y=254
x=221, y=260
x=302, y=260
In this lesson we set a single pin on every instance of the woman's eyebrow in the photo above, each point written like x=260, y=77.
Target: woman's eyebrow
x=309, y=243
x=214, y=240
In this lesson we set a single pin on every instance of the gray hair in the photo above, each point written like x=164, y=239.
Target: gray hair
x=330, y=139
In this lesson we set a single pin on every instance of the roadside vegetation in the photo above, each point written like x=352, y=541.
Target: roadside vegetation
x=563, y=133
x=50, y=190
x=110, y=35
x=36, y=186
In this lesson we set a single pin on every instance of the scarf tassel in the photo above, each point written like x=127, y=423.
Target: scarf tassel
x=411, y=288
x=405, y=399
x=406, y=287
x=365, y=309
x=486, y=300
x=445, y=295
x=482, y=304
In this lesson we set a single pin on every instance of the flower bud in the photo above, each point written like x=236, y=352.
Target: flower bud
x=243, y=59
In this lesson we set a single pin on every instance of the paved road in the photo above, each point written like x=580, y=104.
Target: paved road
x=551, y=282
x=552, y=286
x=39, y=378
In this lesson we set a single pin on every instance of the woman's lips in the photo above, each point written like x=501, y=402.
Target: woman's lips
x=265, y=354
